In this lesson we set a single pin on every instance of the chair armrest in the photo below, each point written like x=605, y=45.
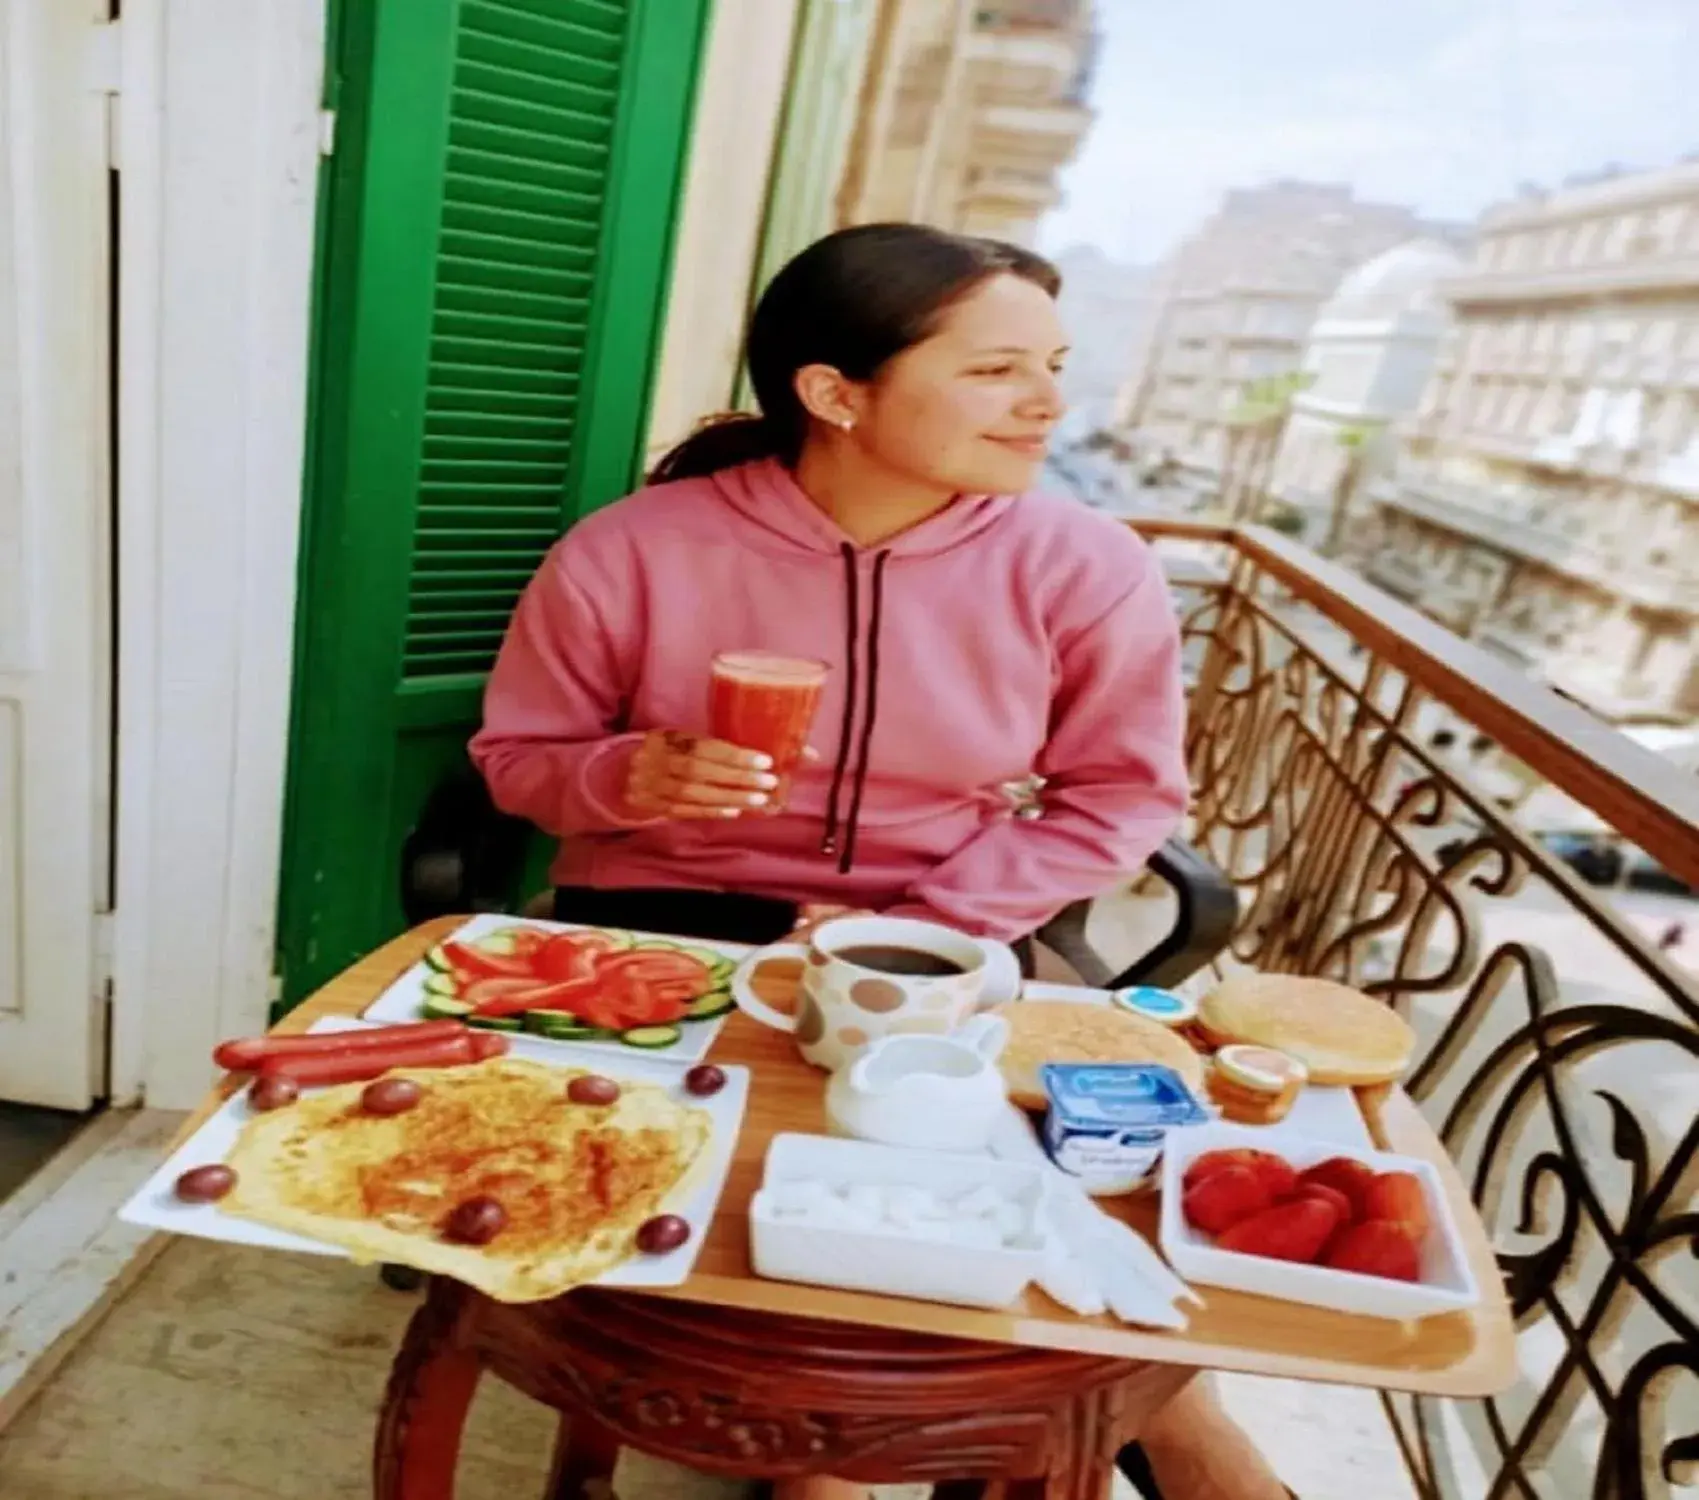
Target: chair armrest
x=464, y=854
x=1207, y=909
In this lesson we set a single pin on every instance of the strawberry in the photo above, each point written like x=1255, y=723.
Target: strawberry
x=1398, y=1197
x=1328, y=1195
x=1377, y=1248
x=1224, y=1197
x=1277, y=1174
x=1343, y=1175
x=1295, y=1230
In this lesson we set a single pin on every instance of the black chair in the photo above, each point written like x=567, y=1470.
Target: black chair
x=465, y=855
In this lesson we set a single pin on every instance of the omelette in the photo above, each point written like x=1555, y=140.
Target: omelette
x=576, y=1180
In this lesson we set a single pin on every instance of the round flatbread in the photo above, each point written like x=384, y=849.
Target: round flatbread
x=1069, y=1031
x=1340, y=1034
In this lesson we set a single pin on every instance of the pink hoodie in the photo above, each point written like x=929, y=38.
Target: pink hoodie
x=1002, y=638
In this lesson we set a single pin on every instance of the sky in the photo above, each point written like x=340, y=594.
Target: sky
x=1445, y=105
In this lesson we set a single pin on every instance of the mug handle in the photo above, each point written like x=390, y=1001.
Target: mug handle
x=1003, y=977
x=748, y=1001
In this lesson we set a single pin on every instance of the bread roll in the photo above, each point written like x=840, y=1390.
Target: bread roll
x=1071, y=1031
x=1340, y=1034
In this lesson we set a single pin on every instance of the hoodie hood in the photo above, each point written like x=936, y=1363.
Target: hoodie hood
x=767, y=496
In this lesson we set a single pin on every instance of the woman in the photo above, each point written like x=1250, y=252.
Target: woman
x=874, y=517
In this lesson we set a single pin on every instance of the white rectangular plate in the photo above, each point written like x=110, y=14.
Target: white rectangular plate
x=156, y=1205
x=403, y=999
x=1447, y=1285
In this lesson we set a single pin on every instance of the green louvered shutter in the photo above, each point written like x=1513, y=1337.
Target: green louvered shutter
x=496, y=244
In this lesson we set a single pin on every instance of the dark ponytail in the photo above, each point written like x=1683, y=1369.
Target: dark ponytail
x=853, y=301
x=719, y=442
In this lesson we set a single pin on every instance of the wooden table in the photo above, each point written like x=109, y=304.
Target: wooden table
x=736, y=1375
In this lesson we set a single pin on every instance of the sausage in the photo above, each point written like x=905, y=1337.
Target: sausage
x=356, y=1064
x=246, y=1054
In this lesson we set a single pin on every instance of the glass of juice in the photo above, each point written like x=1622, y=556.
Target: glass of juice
x=762, y=701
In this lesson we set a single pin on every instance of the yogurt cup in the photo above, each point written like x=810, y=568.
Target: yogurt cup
x=1107, y=1122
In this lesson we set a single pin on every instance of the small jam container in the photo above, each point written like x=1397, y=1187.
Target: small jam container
x=1255, y=1085
x=1162, y=1006
x=1107, y=1121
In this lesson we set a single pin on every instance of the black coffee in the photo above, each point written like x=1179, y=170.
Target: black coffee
x=888, y=958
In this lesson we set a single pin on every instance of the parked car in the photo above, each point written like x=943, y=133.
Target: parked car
x=1646, y=874
x=1596, y=860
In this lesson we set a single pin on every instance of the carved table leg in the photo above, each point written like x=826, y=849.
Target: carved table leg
x=1081, y=1464
x=431, y=1386
x=585, y=1455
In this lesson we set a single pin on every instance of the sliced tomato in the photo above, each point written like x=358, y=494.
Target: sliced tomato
x=535, y=995
x=603, y=1006
x=659, y=964
x=638, y=1002
x=522, y=941
x=572, y=955
x=469, y=961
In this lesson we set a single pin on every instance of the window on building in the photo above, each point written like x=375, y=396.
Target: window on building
x=1515, y=406
x=1619, y=236
x=1671, y=221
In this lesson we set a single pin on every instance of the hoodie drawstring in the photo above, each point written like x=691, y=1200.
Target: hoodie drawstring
x=852, y=644
x=870, y=710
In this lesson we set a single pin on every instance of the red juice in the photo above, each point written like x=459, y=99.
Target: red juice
x=765, y=702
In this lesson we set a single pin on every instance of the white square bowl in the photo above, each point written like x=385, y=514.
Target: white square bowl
x=1448, y=1282
x=887, y=1260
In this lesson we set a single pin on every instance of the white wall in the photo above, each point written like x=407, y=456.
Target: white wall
x=220, y=143
x=745, y=72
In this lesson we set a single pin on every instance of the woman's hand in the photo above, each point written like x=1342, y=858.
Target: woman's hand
x=675, y=775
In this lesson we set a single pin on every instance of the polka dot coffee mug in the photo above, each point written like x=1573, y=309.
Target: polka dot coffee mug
x=868, y=977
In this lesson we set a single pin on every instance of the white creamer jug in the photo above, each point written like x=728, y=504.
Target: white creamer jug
x=936, y=1093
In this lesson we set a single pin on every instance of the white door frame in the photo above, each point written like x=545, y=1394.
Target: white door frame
x=219, y=130
x=54, y=536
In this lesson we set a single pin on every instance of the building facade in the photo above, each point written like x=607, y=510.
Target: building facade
x=1546, y=497
x=971, y=112
x=1368, y=358
x=1241, y=296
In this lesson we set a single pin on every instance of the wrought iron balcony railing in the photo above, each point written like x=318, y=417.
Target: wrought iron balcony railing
x=1559, y=1032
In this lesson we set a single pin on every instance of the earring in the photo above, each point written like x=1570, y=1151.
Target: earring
x=848, y=424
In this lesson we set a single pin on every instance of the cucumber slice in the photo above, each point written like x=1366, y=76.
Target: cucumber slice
x=707, y=1007
x=559, y=1023
x=438, y=960
x=578, y=1034
x=502, y=940
x=564, y=1026
x=442, y=986
x=445, y=1008
x=550, y=1020
x=650, y=1037
x=494, y=1023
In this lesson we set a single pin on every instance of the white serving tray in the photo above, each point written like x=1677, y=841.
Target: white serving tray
x=156, y=1205
x=403, y=999
x=886, y=1260
x=1448, y=1283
